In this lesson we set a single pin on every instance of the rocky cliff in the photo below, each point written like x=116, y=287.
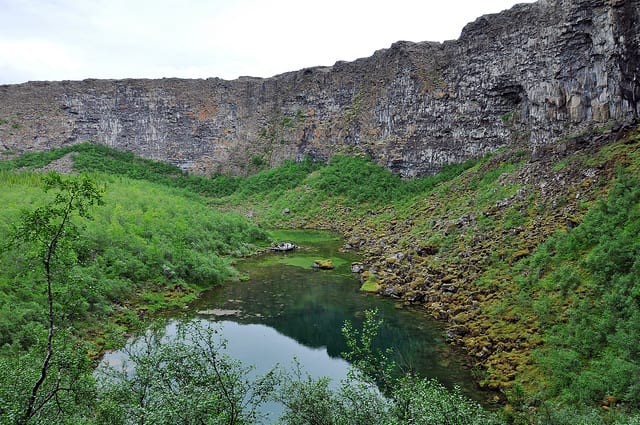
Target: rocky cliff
x=528, y=75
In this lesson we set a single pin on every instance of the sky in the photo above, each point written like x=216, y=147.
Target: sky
x=78, y=39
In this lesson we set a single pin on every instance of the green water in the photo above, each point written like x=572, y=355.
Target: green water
x=285, y=294
x=287, y=310
x=283, y=309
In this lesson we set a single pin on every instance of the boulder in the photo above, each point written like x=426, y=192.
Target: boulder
x=283, y=247
x=357, y=268
x=371, y=284
x=323, y=264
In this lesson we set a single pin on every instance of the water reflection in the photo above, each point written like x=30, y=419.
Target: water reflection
x=310, y=306
x=287, y=310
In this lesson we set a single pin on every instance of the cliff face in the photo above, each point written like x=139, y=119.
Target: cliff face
x=528, y=75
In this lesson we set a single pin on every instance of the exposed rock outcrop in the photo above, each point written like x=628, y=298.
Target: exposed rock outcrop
x=461, y=246
x=528, y=75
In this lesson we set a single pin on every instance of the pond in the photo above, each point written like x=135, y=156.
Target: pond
x=283, y=309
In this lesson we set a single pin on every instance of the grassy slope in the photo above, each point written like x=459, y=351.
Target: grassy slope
x=511, y=251
x=148, y=247
x=472, y=248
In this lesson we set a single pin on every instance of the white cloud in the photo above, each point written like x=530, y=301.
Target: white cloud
x=75, y=39
x=36, y=58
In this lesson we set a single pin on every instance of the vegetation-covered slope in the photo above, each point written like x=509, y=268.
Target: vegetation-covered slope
x=531, y=257
x=148, y=246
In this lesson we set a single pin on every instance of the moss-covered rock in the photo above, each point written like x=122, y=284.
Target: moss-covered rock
x=464, y=242
x=323, y=264
x=371, y=283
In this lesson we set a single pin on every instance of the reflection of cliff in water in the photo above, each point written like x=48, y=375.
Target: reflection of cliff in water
x=311, y=307
x=306, y=305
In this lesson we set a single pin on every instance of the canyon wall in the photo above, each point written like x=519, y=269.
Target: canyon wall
x=527, y=76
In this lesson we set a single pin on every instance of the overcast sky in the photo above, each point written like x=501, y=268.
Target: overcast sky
x=77, y=39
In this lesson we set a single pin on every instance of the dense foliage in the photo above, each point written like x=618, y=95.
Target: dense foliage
x=187, y=378
x=593, y=351
x=89, y=157
x=276, y=180
x=147, y=243
x=360, y=180
x=157, y=241
x=356, y=179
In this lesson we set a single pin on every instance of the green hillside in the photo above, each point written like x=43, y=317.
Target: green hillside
x=532, y=259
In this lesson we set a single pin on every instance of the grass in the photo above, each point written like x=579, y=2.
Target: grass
x=593, y=271
x=301, y=260
x=553, y=272
x=147, y=239
x=302, y=236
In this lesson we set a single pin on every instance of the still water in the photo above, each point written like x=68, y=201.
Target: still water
x=285, y=310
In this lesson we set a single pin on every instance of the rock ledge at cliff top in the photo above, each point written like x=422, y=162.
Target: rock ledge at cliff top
x=528, y=76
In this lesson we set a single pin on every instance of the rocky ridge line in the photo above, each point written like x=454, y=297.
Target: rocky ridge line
x=528, y=75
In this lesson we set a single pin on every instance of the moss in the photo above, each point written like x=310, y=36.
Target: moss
x=507, y=117
x=371, y=283
x=326, y=264
x=481, y=228
x=302, y=237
